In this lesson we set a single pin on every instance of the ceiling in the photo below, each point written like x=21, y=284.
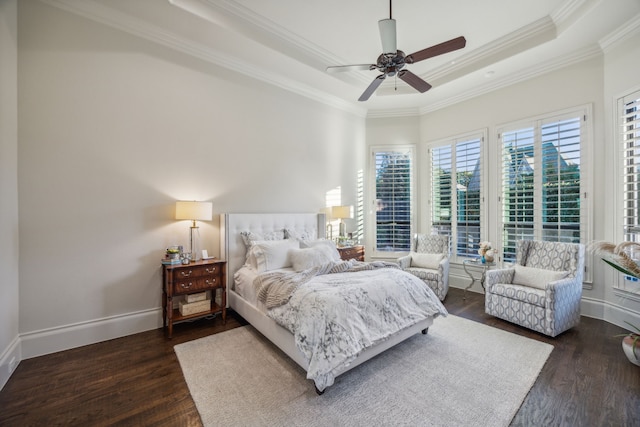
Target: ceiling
x=289, y=43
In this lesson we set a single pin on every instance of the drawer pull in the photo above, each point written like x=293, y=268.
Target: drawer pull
x=186, y=273
x=210, y=270
x=185, y=285
x=210, y=282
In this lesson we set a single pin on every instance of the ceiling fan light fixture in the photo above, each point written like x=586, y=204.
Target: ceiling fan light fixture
x=392, y=61
x=388, y=36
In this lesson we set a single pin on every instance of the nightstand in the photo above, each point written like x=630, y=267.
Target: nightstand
x=352, y=252
x=193, y=278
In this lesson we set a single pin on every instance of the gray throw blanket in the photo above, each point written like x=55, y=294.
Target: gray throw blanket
x=276, y=287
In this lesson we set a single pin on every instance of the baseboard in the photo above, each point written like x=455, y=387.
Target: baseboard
x=609, y=312
x=46, y=341
x=9, y=360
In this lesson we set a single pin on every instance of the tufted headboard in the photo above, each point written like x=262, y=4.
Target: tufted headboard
x=232, y=247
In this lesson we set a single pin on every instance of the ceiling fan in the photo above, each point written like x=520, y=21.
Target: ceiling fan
x=392, y=61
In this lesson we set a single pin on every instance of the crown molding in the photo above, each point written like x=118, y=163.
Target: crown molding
x=96, y=12
x=234, y=16
x=570, y=11
x=526, y=74
x=395, y=112
x=238, y=18
x=524, y=38
x=623, y=33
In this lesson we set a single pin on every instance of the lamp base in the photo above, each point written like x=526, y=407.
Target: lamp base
x=195, y=252
x=343, y=229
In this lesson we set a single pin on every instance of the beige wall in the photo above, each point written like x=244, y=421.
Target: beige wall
x=113, y=130
x=9, y=295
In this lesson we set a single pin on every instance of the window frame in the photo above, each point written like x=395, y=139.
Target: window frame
x=453, y=141
x=584, y=112
x=622, y=285
x=409, y=149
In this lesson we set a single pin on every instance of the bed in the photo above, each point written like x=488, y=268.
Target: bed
x=234, y=229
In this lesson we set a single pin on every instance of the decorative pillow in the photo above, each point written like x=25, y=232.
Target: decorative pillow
x=431, y=261
x=536, y=277
x=300, y=234
x=271, y=254
x=306, y=258
x=248, y=237
x=322, y=242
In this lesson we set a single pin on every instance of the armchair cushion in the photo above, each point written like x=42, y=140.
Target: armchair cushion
x=422, y=260
x=536, y=277
x=533, y=296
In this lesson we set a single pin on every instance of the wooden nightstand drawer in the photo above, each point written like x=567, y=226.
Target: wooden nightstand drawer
x=352, y=252
x=188, y=273
x=182, y=286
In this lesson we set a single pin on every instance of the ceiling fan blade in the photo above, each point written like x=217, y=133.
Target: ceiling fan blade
x=354, y=67
x=439, y=49
x=414, y=81
x=388, y=36
x=372, y=87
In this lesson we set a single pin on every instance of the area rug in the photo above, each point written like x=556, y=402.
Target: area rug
x=461, y=373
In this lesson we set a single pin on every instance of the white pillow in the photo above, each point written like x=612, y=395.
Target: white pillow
x=249, y=237
x=431, y=261
x=536, y=277
x=306, y=258
x=322, y=242
x=271, y=254
x=300, y=234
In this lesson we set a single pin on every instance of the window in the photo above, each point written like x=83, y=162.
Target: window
x=629, y=113
x=629, y=135
x=457, y=164
x=541, y=182
x=393, y=198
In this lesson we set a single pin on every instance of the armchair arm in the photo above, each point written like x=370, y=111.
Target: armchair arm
x=404, y=262
x=443, y=267
x=567, y=289
x=563, y=304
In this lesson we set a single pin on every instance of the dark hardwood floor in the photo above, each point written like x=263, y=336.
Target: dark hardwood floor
x=136, y=380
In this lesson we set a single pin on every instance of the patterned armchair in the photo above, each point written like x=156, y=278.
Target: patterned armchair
x=429, y=261
x=542, y=291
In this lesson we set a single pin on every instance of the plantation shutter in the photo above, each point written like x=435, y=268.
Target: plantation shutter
x=517, y=189
x=456, y=186
x=441, y=185
x=629, y=113
x=468, y=197
x=560, y=201
x=394, y=199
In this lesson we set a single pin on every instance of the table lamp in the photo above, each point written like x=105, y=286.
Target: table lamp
x=341, y=212
x=194, y=211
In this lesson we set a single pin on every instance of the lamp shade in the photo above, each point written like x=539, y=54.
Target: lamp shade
x=202, y=211
x=341, y=212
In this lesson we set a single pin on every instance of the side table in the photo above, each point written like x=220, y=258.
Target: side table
x=195, y=277
x=477, y=265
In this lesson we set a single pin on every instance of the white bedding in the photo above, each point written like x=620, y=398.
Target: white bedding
x=334, y=317
x=243, y=284
x=305, y=226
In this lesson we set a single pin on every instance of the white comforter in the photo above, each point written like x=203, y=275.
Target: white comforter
x=336, y=316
